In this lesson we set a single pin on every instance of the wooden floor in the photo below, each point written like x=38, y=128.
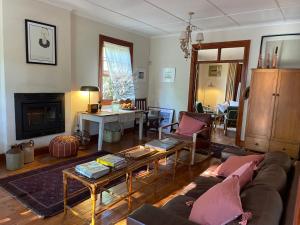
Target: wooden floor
x=14, y=213
x=218, y=136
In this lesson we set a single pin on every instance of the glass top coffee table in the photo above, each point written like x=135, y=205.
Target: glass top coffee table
x=97, y=186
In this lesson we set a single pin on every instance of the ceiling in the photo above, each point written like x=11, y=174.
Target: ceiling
x=163, y=17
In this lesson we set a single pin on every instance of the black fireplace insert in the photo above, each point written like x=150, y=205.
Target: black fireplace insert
x=39, y=114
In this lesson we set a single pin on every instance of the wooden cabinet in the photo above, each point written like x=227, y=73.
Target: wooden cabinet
x=273, y=119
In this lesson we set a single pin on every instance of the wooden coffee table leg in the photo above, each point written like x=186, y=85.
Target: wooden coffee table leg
x=93, y=200
x=65, y=182
x=130, y=191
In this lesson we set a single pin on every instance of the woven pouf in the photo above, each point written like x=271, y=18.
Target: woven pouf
x=63, y=146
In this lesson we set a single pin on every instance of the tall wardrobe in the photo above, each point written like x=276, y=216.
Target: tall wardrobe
x=273, y=119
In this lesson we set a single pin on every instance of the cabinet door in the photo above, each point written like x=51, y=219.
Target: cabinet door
x=261, y=103
x=286, y=124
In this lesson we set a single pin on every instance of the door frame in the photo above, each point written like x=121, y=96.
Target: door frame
x=193, y=75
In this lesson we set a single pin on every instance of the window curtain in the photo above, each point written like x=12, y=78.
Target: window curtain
x=229, y=96
x=120, y=70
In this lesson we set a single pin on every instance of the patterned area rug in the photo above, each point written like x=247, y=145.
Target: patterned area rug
x=42, y=189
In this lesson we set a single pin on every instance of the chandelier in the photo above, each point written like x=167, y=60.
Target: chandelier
x=186, y=37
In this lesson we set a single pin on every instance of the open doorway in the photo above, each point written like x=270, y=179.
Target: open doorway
x=218, y=92
x=217, y=81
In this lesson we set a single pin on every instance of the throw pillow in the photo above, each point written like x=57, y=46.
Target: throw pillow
x=188, y=125
x=219, y=205
x=235, y=162
x=245, y=173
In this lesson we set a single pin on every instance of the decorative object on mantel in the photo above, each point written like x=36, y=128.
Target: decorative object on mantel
x=284, y=49
x=14, y=158
x=186, y=37
x=168, y=74
x=92, y=108
x=40, y=43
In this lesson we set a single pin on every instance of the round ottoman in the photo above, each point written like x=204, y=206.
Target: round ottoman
x=63, y=146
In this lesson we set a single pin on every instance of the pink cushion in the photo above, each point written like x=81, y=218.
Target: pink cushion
x=235, y=162
x=245, y=173
x=219, y=205
x=188, y=125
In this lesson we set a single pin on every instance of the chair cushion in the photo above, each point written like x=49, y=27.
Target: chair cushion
x=264, y=203
x=280, y=158
x=189, y=125
x=178, y=206
x=200, y=185
x=219, y=205
x=245, y=173
x=273, y=176
x=235, y=162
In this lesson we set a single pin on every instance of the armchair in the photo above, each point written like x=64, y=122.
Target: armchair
x=200, y=140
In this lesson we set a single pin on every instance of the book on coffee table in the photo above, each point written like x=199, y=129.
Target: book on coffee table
x=92, y=169
x=113, y=161
x=163, y=144
x=139, y=152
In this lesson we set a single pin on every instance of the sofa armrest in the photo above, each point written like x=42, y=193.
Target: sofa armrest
x=150, y=215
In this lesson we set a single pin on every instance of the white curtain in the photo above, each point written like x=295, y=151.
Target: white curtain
x=120, y=70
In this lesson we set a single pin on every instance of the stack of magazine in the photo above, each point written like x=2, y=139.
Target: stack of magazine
x=163, y=144
x=112, y=161
x=92, y=169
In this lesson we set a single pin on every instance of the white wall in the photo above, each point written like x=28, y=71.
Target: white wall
x=3, y=137
x=165, y=51
x=212, y=95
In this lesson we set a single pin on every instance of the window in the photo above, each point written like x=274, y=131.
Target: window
x=115, y=69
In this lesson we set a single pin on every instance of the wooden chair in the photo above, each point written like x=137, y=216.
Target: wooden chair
x=230, y=118
x=200, y=141
x=152, y=117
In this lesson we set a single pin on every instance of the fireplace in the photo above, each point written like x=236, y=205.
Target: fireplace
x=39, y=114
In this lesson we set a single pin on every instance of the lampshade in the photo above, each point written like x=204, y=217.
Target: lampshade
x=199, y=37
x=182, y=35
x=89, y=88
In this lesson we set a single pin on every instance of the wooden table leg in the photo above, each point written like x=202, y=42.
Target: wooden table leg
x=65, y=182
x=93, y=200
x=130, y=191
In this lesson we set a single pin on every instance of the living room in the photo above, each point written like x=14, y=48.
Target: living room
x=164, y=70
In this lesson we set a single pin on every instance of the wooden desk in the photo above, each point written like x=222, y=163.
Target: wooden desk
x=110, y=116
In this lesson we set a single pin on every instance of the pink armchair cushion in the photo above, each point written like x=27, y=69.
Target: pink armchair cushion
x=245, y=173
x=189, y=125
x=219, y=205
x=235, y=162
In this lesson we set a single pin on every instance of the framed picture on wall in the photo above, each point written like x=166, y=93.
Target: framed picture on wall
x=40, y=43
x=167, y=116
x=286, y=46
x=140, y=75
x=214, y=70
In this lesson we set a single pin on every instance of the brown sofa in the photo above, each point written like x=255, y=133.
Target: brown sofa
x=271, y=197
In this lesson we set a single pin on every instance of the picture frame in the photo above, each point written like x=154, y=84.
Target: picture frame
x=167, y=116
x=168, y=74
x=214, y=70
x=40, y=43
x=140, y=75
x=288, y=52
